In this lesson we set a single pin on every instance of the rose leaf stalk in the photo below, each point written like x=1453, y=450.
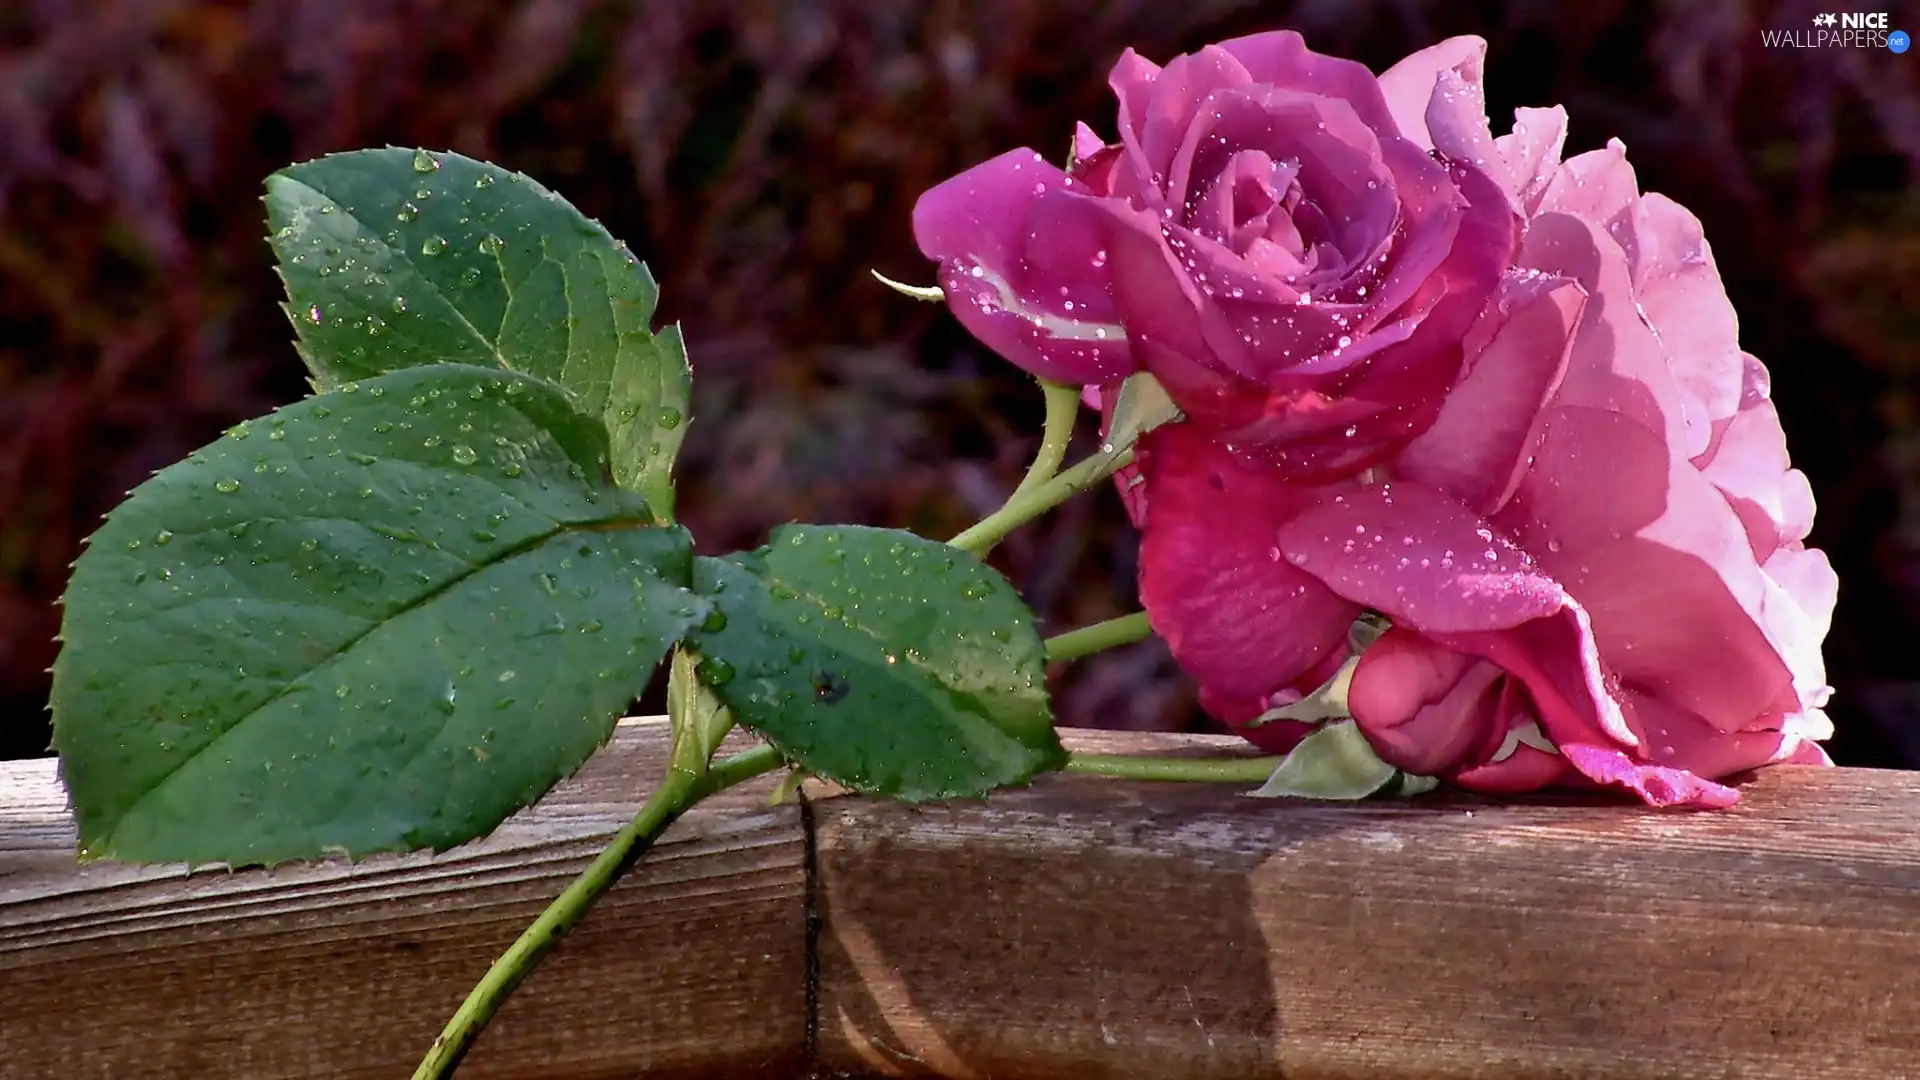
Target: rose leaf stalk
x=1099, y=637
x=1022, y=508
x=698, y=723
x=1063, y=405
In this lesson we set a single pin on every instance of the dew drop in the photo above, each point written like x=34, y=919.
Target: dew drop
x=433, y=245
x=162, y=538
x=424, y=162
x=226, y=485
x=670, y=418
x=464, y=454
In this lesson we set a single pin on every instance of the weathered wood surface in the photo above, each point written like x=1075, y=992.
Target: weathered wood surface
x=694, y=965
x=1093, y=929
x=1079, y=928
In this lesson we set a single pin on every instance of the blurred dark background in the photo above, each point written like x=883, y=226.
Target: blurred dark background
x=762, y=156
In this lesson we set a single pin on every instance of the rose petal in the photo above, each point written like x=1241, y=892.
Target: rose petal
x=1457, y=117
x=1482, y=442
x=1408, y=86
x=1281, y=58
x=1598, y=186
x=1046, y=307
x=1657, y=785
x=1156, y=132
x=1659, y=560
x=1530, y=155
x=1424, y=709
x=1237, y=618
x=1431, y=566
x=1617, y=364
x=1679, y=292
x=1085, y=142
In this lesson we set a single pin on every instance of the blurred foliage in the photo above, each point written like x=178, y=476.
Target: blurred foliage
x=763, y=155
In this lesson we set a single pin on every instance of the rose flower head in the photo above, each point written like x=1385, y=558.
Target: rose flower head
x=1270, y=236
x=1592, y=555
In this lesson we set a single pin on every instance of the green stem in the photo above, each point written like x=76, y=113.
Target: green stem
x=678, y=792
x=1230, y=770
x=1087, y=640
x=1063, y=406
x=1022, y=508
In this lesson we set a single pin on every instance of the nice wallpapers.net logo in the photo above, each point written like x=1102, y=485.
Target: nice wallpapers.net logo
x=1845, y=30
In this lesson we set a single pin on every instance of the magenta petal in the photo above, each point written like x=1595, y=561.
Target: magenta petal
x=1183, y=87
x=1085, y=142
x=1431, y=566
x=1527, y=769
x=1480, y=445
x=1658, y=785
x=1239, y=619
x=1409, y=85
x=1419, y=558
x=1047, y=307
x=1677, y=738
x=1281, y=58
x=1423, y=709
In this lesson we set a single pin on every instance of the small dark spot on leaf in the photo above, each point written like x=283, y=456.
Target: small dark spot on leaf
x=828, y=688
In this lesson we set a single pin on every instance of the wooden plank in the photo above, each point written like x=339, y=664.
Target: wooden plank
x=1092, y=928
x=1080, y=927
x=694, y=966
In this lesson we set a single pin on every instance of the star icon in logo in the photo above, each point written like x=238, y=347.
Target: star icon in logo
x=1824, y=20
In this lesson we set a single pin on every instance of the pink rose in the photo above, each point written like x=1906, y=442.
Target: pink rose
x=1271, y=237
x=1592, y=558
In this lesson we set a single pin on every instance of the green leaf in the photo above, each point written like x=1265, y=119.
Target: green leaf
x=396, y=258
x=1140, y=406
x=891, y=664
x=1335, y=762
x=382, y=618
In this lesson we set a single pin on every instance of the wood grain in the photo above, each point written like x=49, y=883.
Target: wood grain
x=695, y=965
x=1091, y=928
x=1076, y=928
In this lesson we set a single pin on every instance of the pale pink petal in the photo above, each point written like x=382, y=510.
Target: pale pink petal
x=1482, y=442
x=1530, y=155
x=1408, y=86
